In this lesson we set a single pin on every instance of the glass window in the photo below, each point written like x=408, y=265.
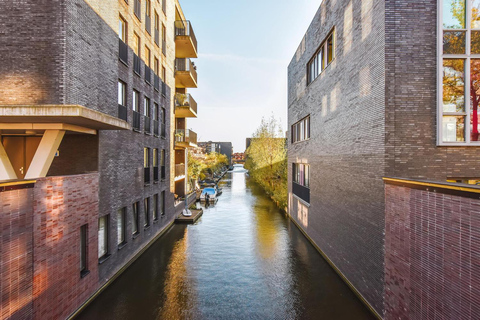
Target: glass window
x=146, y=212
x=454, y=14
x=162, y=203
x=330, y=50
x=156, y=65
x=146, y=157
x=146, y=107
x=453, y=128
x=156, y=21
x=135, y=218
x=474, y=99
x=454, y=42
x=147, y=8
x=164, y=74
x=121, y=226
x=155, y=207
x=136, y=44
x=122, y=30
x=83, y=249
x=453, y=85
x=103, y=236
x=475, y=5
x=136, y=101
x=321, y=59
x=122, y=93
x=155, y=157
x=147, y=56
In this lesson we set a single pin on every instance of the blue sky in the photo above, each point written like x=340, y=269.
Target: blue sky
x=244, y=50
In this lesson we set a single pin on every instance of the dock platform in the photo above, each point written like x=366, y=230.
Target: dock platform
x=196, y=214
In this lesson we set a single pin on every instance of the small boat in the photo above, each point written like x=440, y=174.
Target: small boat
x=219, y=191
x=212, y=193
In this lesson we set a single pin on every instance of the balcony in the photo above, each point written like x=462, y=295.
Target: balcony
x=185, y=138
x=185, y=74
x=147, y=127
x=136, y=121
x=122, y=112
x=179, y=171
x=301, y=192
x=185, y=106
x=148, y=75
x=185, y=40
x=123, y=51
x=137, y=64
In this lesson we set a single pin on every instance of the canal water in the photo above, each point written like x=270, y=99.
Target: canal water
x=242, y=260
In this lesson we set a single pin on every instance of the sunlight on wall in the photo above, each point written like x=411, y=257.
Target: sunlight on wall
x=302, y=214
x=365, y=81
x=323, y=14
x=333, y=97
x=301, y=49
x=21, y=89
x=366, y=18
x=324, y=106
x=348, y=28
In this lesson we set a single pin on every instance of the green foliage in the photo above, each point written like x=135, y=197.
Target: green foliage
x=266, y=160
x=200, y=168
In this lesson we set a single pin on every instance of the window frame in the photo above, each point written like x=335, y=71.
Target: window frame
x=146, y=212
x=313, y=62
x=296, y=130
x=122, y=212
x=124, y=95
x=83, y=251
x=106, y=241
x=301, y=174
x=467, y=57
x=135, y=222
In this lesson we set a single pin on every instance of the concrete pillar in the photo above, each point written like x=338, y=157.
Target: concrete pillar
x=43, y=158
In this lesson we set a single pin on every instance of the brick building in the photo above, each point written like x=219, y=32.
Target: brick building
x=377, y=89
x=92, y=94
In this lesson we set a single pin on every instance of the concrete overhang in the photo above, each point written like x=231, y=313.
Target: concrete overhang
x=61, y=117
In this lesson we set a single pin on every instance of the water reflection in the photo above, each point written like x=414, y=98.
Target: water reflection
x=242, y=260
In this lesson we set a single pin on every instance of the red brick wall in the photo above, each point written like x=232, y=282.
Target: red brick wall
x=16, y=254
x=62, y=206
x=432, y=255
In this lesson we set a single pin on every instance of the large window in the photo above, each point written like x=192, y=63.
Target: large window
x=322, y=58
x=162, y=204
x=122, y=29
x=301, y=174
x=103, y=237
x=146, y=212
x=459, y=79
x=155, y=207
x=135, y=219
x=301, y=130
x=121, y=226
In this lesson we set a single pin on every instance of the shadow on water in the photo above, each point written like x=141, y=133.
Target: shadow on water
x=242, y=260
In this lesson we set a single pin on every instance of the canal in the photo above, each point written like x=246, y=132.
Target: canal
x=242, y=260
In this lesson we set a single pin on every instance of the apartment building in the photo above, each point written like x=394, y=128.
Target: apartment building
x=388, y=89
x=225, y=148
x=88, y=114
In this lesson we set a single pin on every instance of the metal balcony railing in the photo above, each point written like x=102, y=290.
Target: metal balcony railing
x=123, y=51
x=148, y=74
x=184, y=28
x=179, y=170
x=147, y=127
x=301, y=192
x=148, y=24
x=137, y=64
x=186, y=65
x=137, y=8
x=136, y=121
x=122, y=112
x=156, y=82
x=156, y=128
x=185, y=100
x=187, y=136
x=146, y=175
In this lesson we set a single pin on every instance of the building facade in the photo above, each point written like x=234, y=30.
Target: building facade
x=377, y=89
x=88, y=117
x=225, y=148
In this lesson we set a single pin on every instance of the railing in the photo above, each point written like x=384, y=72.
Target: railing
x=148, y=74
x=136, y=121
x=301, y=192
x=148, y=24
x=147, y=127
x=157, y=37
x=123, y=51
x=146, y=175
x=155, y=174
x=137, y=64
x=164, y=89
x=156, y=82
x=186, y=65
x=179, y=170
x=164, y=47
x=187, y=136
x=122, y=112
x=185, y=100
x=155, y=128
x=137, y=8
x=184, y=28
x=164, y=127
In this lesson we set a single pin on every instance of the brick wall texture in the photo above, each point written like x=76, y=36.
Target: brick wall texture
x=431, y=255
x=16, y=254
x=373, y=113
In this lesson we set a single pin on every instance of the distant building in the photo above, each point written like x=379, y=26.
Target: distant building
x=238, y=157
x=225, y=148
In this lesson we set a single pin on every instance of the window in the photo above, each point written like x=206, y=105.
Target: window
x=156, y=25
x=122, y=29
x=301, y=130
x=121, y=226
x=84, y=250
x=155, y=207
x=147, y=56
x=459, y=78
x=146, y=212
x=321, y=59
x=146, y=157
x=164, y=33
x=162, y=203
x=136, y=44
x=122, y=93
x=162, y=163
x=301, y=174
x=146, y=107
x=156, y=65
x=164, y=74
x=162, y=120
x=135, y=218
x=155, y=164
x=136, y=101
x=155, y=111
x=103, y=236
x=137, y=8
x=147, y=8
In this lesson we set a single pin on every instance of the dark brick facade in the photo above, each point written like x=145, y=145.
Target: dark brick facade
x=431, y=254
